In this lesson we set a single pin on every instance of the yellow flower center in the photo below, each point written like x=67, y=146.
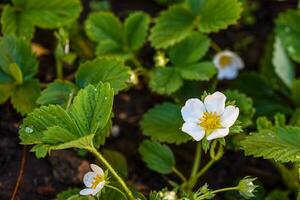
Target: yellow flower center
x=97, y=179
x=225, y=60
x=210, y=121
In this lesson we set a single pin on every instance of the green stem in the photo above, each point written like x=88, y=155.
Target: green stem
x=114, y=173
x=215, y=46
x=71, y=96
x=179, y=174
x=59, y=70
x=114, y=188
x=225, y=189
x=215, y=157
x=139, y=68
x=197, y=160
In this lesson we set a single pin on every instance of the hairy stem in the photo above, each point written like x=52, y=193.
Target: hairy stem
x=114, y=173
x=197, y=160
x=179, y=174
x=116, y=189
x=225, y=189
x=59, y=70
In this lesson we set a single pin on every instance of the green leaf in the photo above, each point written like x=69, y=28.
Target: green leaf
x=57, y=92
x=296, y=92
x=195, y=5
x=165, y=80
x=199, y=71
x=190, y=50
x=135, y=29
x=158, y=157
x=280, y=144
x=14, y=22
x=284, y=68
x=288, y=30
x=163, y=123
x=92, y=108
x=16, y=72
x=52, y=128
x=27, y=14
x=118, y=161
x=172, y=26
x=24, y=96
x=18, y=52
x=71, y=194
x=245, y=105
x=109, y=48
x=5, y=92
x=278, y=195
x=104, y=69
x=103, y=26
x=266, y=101
x=216, y=15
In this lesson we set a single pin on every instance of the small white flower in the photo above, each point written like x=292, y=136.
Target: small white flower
x=210, y=118
x=93, y=180
x=228, y=64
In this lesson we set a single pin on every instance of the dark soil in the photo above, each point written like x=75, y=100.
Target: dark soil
x=44, y=178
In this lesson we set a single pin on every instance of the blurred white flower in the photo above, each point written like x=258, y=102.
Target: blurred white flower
x=211, y=118
x=228, y=64
x=93, y=180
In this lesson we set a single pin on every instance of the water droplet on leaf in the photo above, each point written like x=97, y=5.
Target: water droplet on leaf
x=28, y=130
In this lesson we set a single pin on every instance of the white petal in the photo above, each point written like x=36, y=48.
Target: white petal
x=238, y=62
x=193, y=130
x=97, y=169
x=99, y=187
x=218, y=133
x=215, y=102
x=228, y=73
x=192, y=110
x=87, y=191
x=229, y=116
x=89, y=178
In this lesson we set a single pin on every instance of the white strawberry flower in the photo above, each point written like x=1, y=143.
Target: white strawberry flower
x=209, y=118
x=93, y=180
x=228, y=64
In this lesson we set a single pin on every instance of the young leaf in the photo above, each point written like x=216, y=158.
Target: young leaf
x=5, y=92
x=104, y=69
x=158, y=157
x=18, y=52
x=216, y=15
x=57, y=92
x=103, y=26
x=190, y=50
x=280, y=144
x=288, y=30
x=172, y=26
x=24, y=96
x=27, y=14
x=136, y=28
x=163, y=123
x=284, y=67
x=165, y=80
x=202, y=71
x=16, y=72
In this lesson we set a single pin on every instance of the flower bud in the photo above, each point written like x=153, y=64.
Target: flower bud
x=246, y=187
